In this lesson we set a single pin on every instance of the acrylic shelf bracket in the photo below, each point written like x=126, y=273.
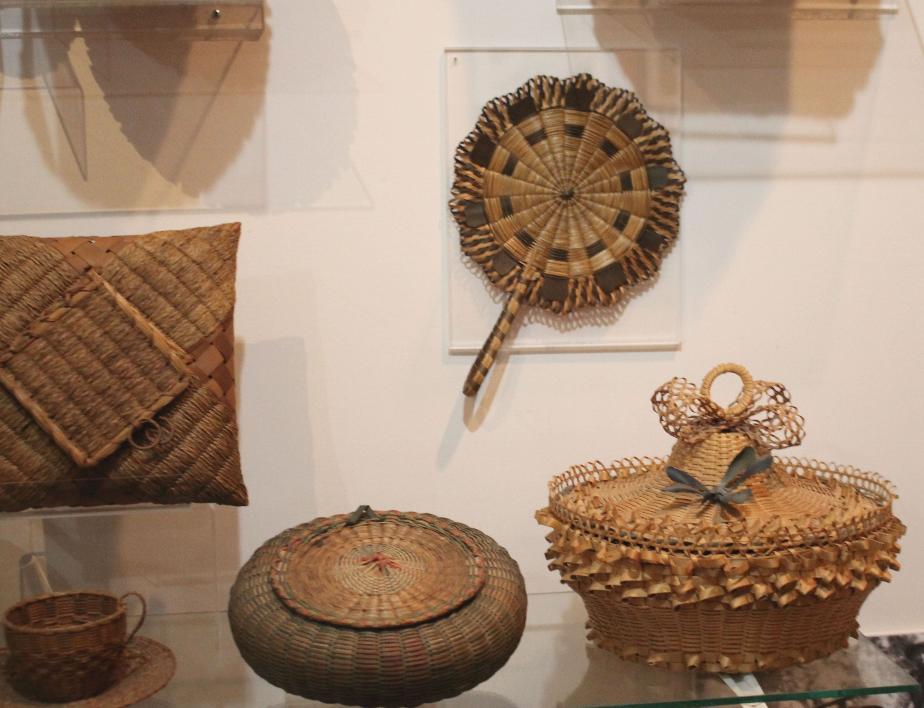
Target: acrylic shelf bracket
x=236, y=20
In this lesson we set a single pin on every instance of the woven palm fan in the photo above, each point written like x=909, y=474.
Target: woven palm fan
x=566, y=194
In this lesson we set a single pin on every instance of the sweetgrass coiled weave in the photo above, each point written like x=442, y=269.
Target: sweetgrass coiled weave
x=395, y=609
x=117, y=369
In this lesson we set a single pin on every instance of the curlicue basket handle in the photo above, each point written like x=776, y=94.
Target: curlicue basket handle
x=744, y=398
x=144, y=614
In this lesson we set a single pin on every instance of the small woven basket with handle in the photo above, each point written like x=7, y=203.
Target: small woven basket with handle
x=721, y=557
x=66, y=646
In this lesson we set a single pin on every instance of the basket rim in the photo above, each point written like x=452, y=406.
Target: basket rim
x=329, y=527
x=11, y=626
x=578, y=476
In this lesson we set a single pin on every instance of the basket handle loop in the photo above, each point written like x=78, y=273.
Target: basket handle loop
x=745, y=397
x=144, y=614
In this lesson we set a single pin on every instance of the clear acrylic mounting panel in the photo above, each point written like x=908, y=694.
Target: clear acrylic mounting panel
x=651, y=320
x=123, y=122
x=172, y=555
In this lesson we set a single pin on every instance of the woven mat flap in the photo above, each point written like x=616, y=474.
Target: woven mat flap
x=203, y=463
x=183, y=281
x=91, y=370
x=396, y=571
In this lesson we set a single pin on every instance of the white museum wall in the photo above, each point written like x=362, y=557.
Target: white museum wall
x=801, y=251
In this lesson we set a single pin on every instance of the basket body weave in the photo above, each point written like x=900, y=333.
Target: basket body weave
x=397, y=611
x=674, y=580
x=117, y=370
x=65, y=646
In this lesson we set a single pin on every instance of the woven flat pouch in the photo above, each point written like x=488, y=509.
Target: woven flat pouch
x=117, y=370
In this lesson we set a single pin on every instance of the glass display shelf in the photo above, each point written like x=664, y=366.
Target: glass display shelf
x=553, y=666
x=201, y=19
x=801, y=9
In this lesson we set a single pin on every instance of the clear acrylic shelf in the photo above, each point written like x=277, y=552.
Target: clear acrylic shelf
x=180, y=19
x=804, y=9
x=553, y=666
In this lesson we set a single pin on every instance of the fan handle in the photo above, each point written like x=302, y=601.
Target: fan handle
x=488, y=354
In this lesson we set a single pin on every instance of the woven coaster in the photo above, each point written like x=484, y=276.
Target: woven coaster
x=146, y=667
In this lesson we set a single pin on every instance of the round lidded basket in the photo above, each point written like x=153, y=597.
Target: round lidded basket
x=378, y=608
x=722, y=558
x=66, y=646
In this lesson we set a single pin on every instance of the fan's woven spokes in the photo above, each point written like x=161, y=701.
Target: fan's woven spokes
x=513, y=215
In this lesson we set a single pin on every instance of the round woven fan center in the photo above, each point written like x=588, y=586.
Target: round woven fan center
x=567, y=194
x=386, y=573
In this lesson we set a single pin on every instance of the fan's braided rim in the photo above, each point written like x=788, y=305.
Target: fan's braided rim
x=325, y=531
x=674, y=537
x=654, y=143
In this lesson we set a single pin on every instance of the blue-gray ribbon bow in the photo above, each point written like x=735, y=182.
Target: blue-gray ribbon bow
x=726, y=493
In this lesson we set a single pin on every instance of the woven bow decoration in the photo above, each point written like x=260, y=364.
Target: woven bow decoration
x=765, y=414
x=726, y=493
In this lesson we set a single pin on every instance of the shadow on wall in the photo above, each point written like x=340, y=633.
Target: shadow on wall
x=187, y=107
x=149, y=121
x=276, y=435
x=313, y=112
x=766, y=97
x=156, y=122
x=757, y=63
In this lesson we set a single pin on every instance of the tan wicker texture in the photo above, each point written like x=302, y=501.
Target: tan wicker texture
x=144, y=669
x=683, y=581
x=67, y=646
x=387, y=574
x=567, y=194
x=116, y=370
x=407, y=609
